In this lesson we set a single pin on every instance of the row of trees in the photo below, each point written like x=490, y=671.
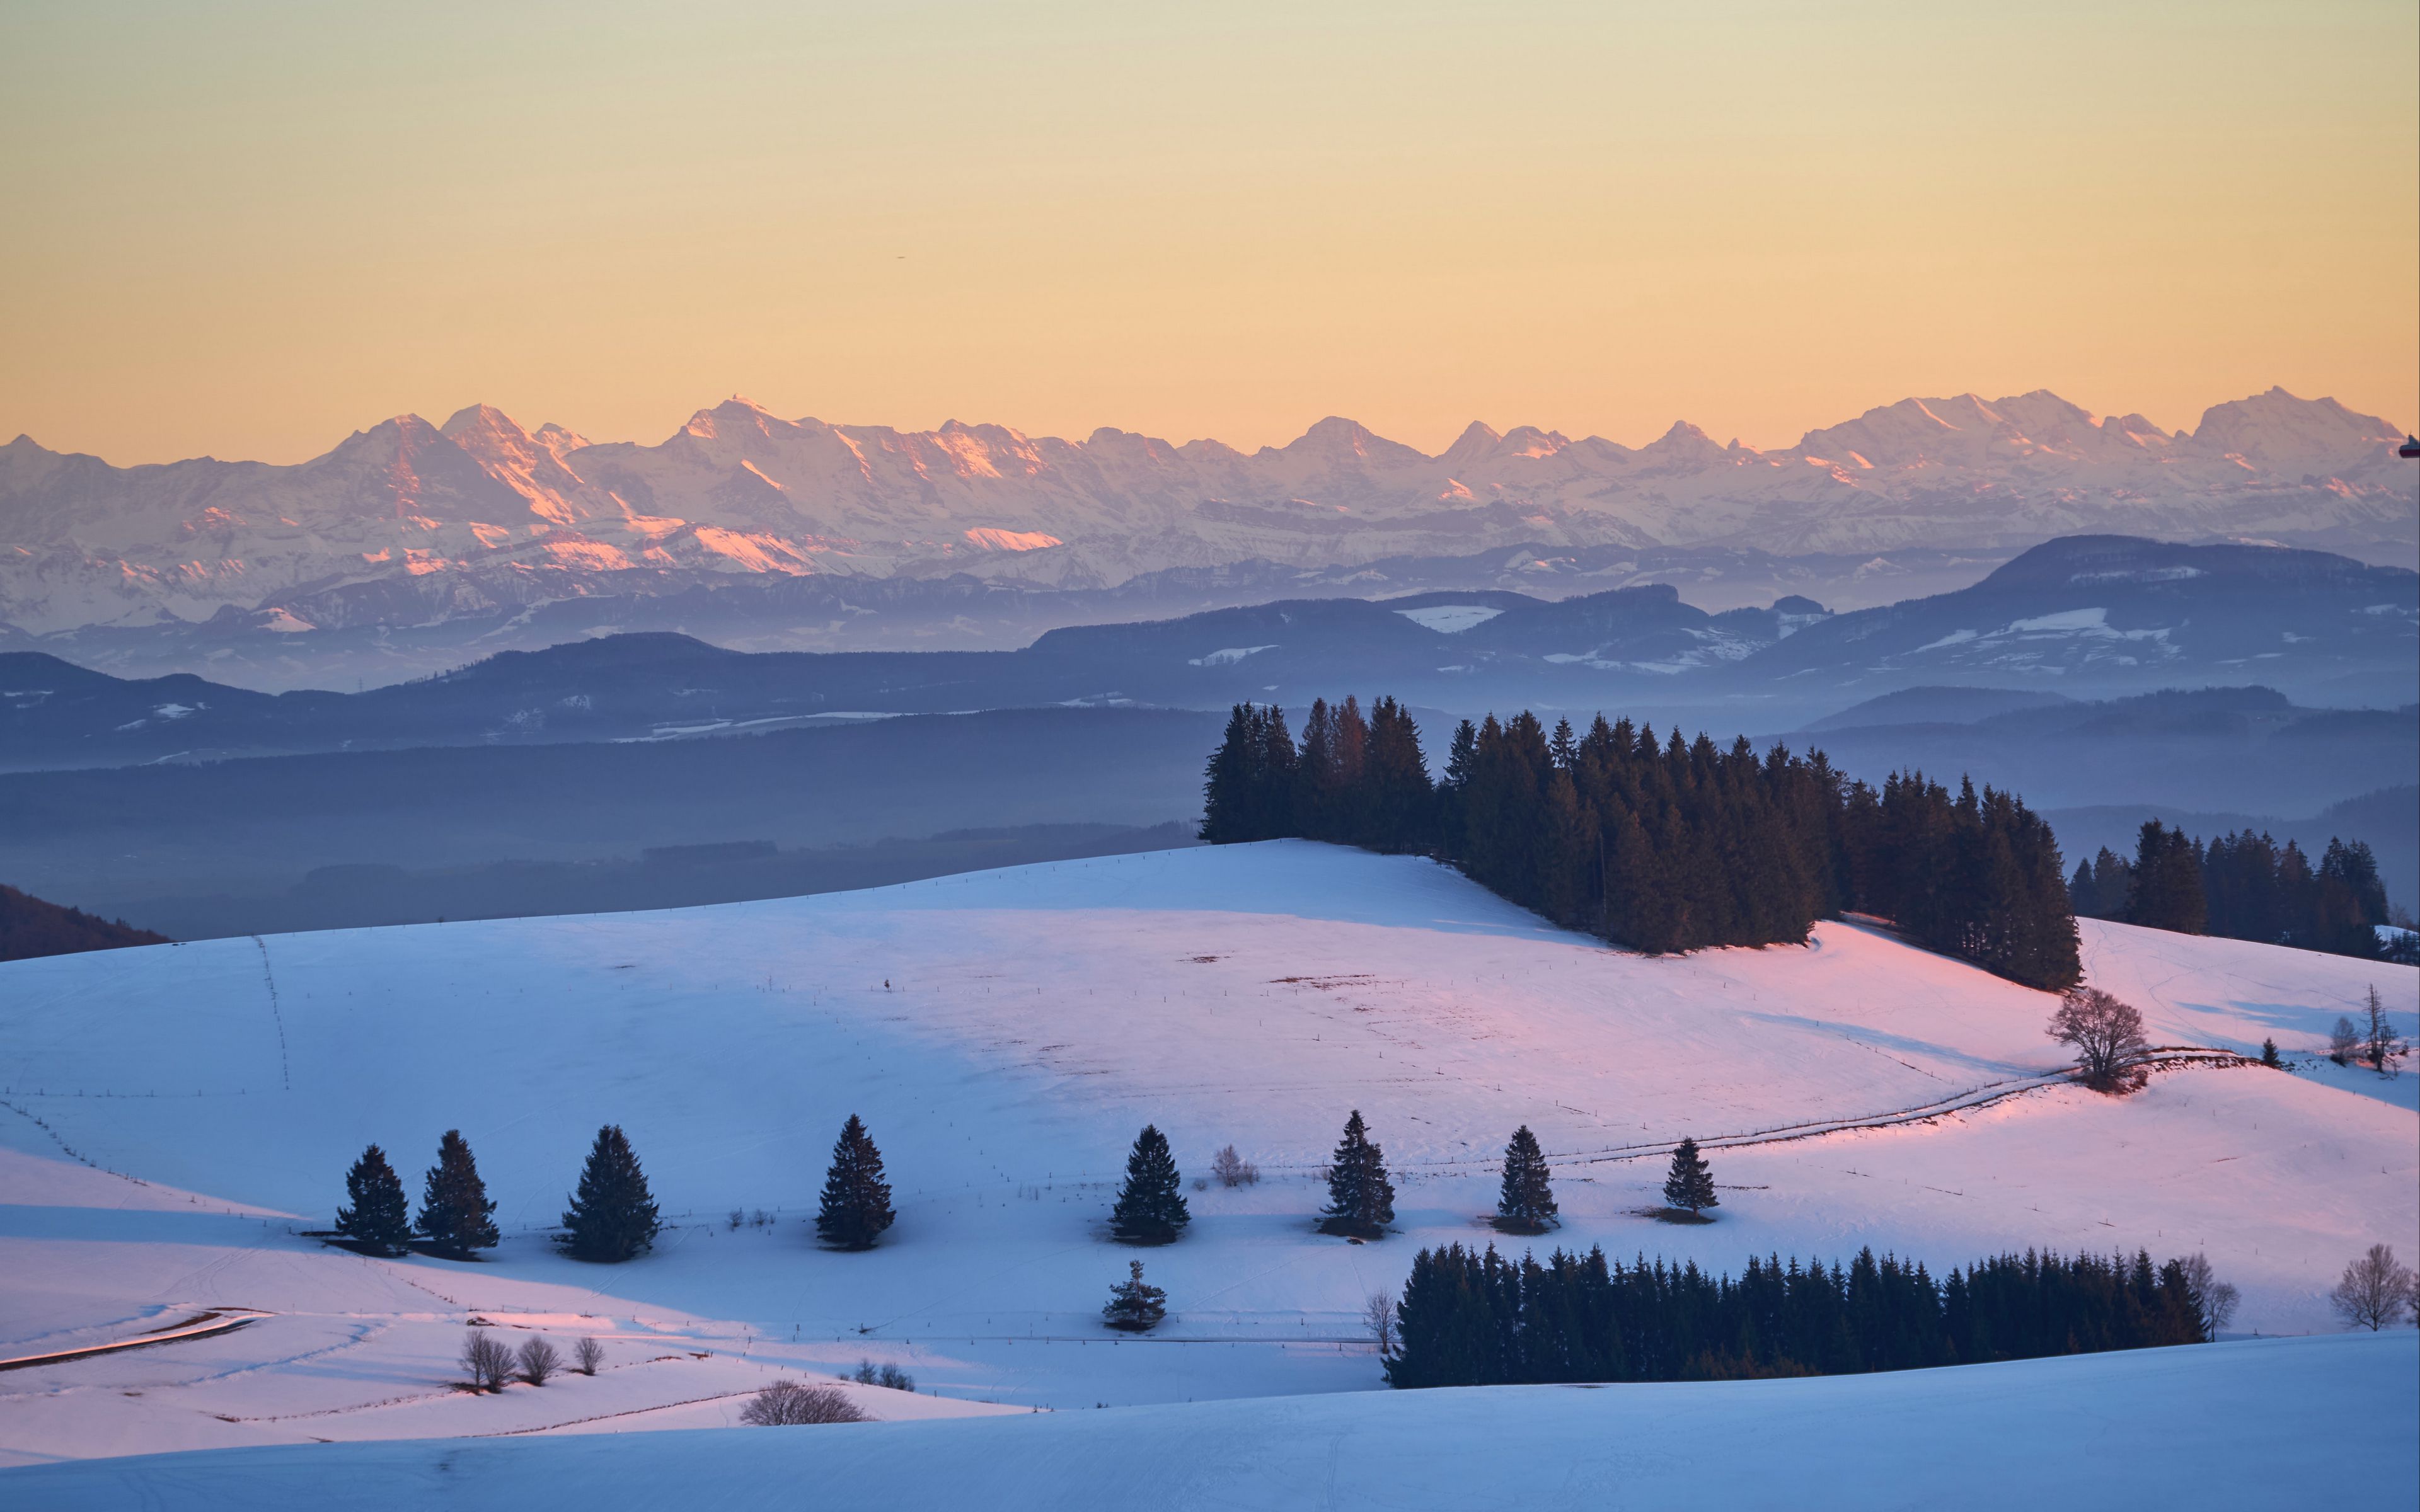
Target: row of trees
x=1469, y=1319
x=1663, y=845
x=612, y=1216
x=2243, y=886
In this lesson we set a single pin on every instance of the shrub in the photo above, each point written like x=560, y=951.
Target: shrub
x=487, y=1360
x=539, y=1361
x=887, y=1375
x=792, y=1403
x=1232, y=1169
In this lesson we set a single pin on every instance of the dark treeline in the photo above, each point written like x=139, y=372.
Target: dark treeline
x=1660, y=845
x=30, y=927
x=1469, y=1319
x=2244, y=886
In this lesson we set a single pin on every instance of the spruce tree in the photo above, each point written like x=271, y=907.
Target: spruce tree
x=1134, y=1307
x=1360, y=1200
x=857, y=1201
x=1526, y=1205
x=611, y=1217
x=379, y=1217
x=1690, y=1186
x=455, y=1214
x=2269, y=1053
x=1150, y=1208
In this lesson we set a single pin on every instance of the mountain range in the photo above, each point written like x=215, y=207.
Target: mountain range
x=408, y=523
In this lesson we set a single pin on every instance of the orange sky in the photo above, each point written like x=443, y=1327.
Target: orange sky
x=246, y=229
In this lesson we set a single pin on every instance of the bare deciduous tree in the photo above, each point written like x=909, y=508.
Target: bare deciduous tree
x=790, y=1403
x=2376, y=1291
x=2213, y=1299
x=1378, y=1315
x=1232, y=1169
x=588, y=1354
x=486, y=1359
x=2107, y=1036
x=539, y=1361
x=2343, y=1041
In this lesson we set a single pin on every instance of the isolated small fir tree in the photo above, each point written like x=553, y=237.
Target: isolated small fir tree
x=1150, y=1209
x=1135, y=1306
x=1526, y=1204
x=857, y=1201
x=611, y=1217
x=2269, y=1053
x=379, y=1216
x=1360, y=1200
x=1690, y=1184
x=455, y=1214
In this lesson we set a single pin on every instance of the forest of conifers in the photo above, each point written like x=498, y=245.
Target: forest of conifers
x=1473, y=1320
x=2244, y=886
x=1662, y=845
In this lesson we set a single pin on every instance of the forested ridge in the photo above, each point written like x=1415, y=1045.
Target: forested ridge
x=1661, y=844
x=1469, y=1319
x=2242, y=886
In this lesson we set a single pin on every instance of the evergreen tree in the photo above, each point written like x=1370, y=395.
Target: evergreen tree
x=1526, y=1203
x=2167, y=891
x=1360, y=1200
x=2269, y=1053
x=379, y=1216
x=455, y=1214
x=1690, y=1184
x=1134, y=1307
x=857, y=1201
x=611, y=1217
x=1150, y=1208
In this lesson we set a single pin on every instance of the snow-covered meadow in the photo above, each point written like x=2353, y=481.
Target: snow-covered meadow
x=174, y=1115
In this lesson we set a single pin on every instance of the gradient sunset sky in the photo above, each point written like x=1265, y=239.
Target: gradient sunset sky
x=246, y=229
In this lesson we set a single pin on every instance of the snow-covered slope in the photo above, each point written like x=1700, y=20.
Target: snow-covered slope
x=1005, y=1034
x=2245, y=1424
x=406, y=521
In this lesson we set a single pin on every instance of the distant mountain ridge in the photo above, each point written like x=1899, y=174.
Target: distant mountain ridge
x=409, y=522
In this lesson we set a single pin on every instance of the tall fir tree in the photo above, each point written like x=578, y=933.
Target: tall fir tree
x=1690, y=1184
x=377, y=1215
x=857, y=1201
x=2167, y=891
x=1150, y=1207
x=455, y=1214
x=1527, y=1202
x=1360, y=1199
x=612, y=1216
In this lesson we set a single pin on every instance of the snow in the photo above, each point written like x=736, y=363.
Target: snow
x=1227, y=656
x=2267, y=1423
x=1450, y=619
x=1005, y=1034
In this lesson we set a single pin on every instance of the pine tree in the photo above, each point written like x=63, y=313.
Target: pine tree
x=1360, y=1200
x=1150, y=1208
x=455, y=1214
x=379, y=1216
x=857, y=1201
x=2168, y=889
x=2269, y=1053
x=1134, y=1307
x=611, y=1217
x=1526, y=1205
x=1690, y=1184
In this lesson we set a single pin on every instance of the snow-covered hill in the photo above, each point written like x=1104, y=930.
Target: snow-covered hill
x=406, y=521
x=1004, y=1035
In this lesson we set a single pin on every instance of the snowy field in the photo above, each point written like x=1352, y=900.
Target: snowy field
x=174, y=1116
x=2273, y=1423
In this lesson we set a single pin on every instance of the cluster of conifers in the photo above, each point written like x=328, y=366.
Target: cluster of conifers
x=612, y=1216
x=1661, y=845
x=1467, y=1319
x=2242, y=886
